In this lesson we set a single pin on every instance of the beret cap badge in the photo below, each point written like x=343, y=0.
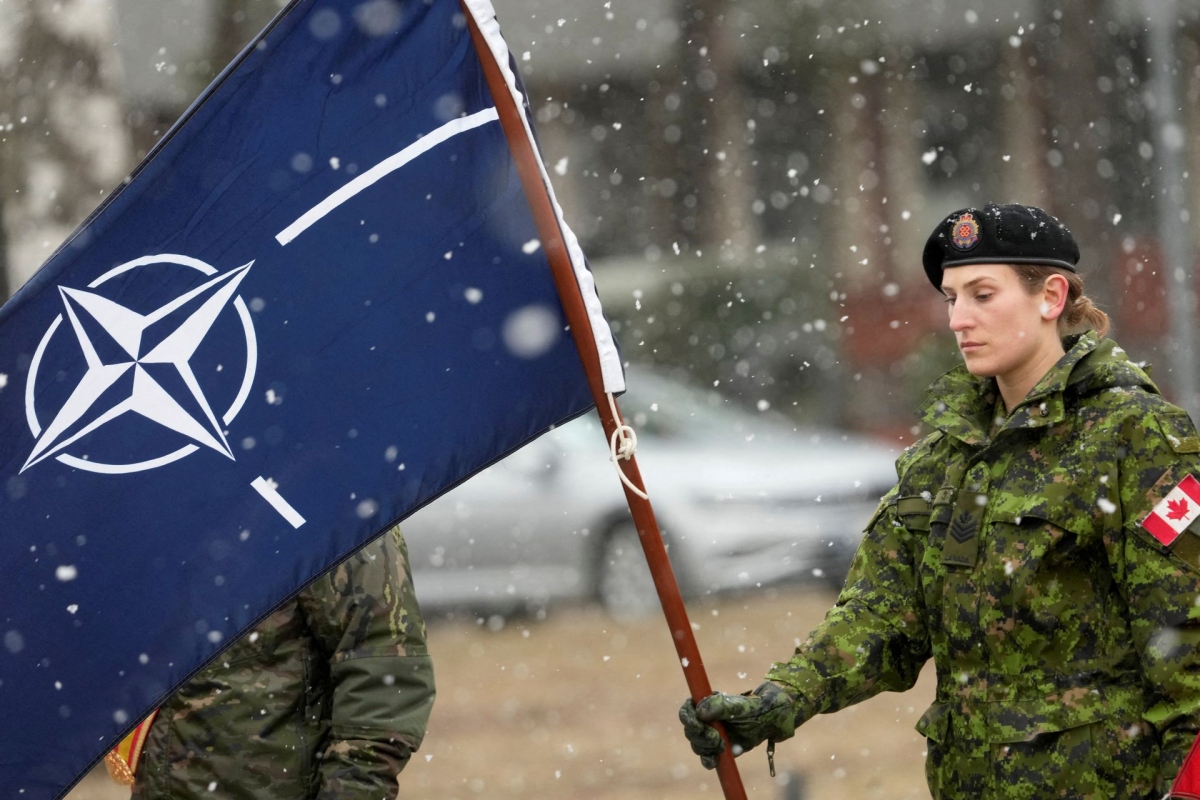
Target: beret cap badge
x=965, y=233
x=1010, y=233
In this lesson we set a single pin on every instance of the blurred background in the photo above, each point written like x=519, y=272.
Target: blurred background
x=753, y=181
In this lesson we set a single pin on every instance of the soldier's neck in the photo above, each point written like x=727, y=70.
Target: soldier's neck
x=1016, y=384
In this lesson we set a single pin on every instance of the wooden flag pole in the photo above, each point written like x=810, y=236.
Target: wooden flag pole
x=532, y=179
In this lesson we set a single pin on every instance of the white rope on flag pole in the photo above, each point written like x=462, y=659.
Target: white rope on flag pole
x=622, y=447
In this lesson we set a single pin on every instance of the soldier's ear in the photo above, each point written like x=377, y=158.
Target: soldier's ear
x=1054, y=296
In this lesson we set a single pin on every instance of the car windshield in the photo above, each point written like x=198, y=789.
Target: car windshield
x=665, y=408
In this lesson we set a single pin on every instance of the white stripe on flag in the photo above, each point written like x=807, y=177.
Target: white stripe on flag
x=267, y=489
x=382, y=169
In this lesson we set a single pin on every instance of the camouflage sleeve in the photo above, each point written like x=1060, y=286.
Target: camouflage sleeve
x=1161, y=583
x=365, y=614
x=875, y=638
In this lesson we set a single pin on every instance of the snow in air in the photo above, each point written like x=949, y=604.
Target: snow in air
x=325, y=23
x=531, y=331
x=378, y=17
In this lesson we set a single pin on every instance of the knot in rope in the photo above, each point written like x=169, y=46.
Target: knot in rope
x=622, y=446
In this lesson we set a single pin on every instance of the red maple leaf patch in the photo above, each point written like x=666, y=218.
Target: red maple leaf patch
x=1179, y=509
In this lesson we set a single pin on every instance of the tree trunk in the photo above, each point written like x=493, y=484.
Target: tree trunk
x=722, y=157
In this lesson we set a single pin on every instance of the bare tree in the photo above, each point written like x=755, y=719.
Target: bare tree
x=720, y=159
x=63, y=145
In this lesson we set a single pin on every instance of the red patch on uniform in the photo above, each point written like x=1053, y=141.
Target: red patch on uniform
x=1178, y=509
x=1169, y=518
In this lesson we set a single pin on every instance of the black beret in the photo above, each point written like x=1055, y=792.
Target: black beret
x=999, y=234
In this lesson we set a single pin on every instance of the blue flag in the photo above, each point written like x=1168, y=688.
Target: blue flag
x=319, y=303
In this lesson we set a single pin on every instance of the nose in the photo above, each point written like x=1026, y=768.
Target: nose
x=960, y=317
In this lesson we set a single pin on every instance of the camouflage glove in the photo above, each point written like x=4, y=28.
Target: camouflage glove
x=768, y=712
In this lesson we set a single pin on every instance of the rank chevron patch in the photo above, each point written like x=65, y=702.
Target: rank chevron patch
x=963, y=527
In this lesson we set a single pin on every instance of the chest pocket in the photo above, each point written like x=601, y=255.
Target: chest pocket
x=1047, y=565
x=1039, y=530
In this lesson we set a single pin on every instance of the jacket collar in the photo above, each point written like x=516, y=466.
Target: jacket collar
x=961, y=404
x=1044, y=404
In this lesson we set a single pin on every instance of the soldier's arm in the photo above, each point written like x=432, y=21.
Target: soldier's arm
x=366, y=615
x=1161, y=583
x=875, y=638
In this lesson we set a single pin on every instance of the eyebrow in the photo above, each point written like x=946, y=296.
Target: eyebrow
x=968, y=284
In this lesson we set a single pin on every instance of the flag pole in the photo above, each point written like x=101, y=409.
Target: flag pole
x=580, y=324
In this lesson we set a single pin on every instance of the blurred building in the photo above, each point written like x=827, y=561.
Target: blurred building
x=754, y=179
x=839, y=133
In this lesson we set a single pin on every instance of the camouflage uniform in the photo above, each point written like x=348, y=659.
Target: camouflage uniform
x=1011, y=551
x=326, y=698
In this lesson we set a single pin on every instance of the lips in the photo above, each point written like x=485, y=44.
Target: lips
x=968, y=346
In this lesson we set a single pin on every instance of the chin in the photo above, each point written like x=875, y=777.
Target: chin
x=980, y=367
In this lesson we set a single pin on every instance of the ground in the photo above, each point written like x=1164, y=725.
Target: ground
x=579, y=706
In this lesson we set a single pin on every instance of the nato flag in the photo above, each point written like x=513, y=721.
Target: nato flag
x=319, y=303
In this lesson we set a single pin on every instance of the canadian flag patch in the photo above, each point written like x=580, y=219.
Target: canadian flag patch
x=1175, y=512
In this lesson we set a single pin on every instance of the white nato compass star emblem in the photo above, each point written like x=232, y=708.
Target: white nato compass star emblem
x=140, y=364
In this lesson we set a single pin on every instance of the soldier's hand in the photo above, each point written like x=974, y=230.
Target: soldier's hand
x=768, y=712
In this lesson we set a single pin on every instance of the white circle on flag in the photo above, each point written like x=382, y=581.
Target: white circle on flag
x=251, y=365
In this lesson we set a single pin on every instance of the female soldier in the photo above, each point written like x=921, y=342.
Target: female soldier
x=1042, y=545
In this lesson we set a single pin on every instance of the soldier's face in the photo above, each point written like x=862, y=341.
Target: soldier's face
x=1000, y=327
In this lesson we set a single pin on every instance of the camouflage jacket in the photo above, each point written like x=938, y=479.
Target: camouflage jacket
x=1011, y=552
x=326, y=698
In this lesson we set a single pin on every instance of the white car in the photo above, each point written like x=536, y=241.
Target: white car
x=743, y=500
